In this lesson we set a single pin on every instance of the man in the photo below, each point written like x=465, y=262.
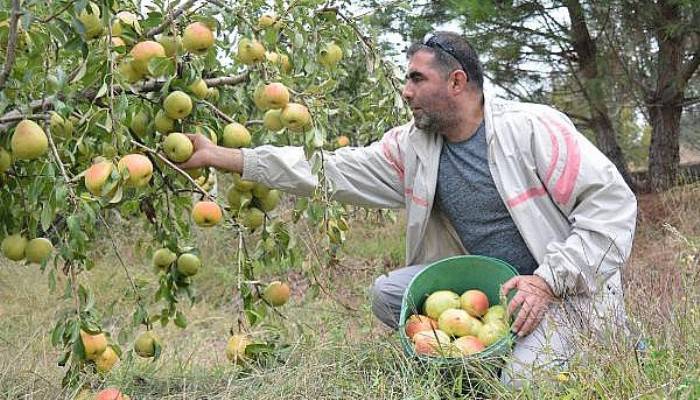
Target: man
x=477, y=175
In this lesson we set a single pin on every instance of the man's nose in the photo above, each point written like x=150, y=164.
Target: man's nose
x=407, y=92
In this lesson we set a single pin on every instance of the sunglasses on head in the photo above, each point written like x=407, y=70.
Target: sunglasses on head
x=433, y=41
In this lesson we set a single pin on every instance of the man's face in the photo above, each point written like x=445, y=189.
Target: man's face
x=426, y=92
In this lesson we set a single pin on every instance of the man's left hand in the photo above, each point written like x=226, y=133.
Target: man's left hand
x=533, y=297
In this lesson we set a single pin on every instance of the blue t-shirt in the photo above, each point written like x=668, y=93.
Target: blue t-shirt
x=468, y=196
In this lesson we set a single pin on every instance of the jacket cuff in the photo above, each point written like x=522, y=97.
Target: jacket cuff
x=547, y=273
x=250, y=165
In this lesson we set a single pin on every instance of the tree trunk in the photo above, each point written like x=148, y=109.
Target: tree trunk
x=585, y=46
x=664, y=153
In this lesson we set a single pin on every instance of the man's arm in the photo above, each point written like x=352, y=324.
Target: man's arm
x=368, y=176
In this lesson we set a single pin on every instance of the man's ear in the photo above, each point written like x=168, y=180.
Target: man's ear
x=459, y=80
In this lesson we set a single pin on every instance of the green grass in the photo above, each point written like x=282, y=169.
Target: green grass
x=334, y=349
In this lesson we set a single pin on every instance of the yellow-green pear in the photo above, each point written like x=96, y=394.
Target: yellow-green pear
x=171, y=44
x=28, y=141
x=260, y=190
x=272, y=120
x=296, y=117
x=96, y=176
x=38, y=250
x=146, y=344
x=177, y=105
x=106, y=361
x=236, y=198
x=163, y=123
x=142, y=53
x=125, y=18
x=199, y=88
x=94, y=344
x=139, y=123
x=236, y=136
x=252, y=218
x=59, y=126
x=250, y=51
x=91, y=21
x=241, y=184
x=330, y=55
x=266, y=20
x=235, y=347
x=14, y=246
x=5, y=160
x=269, y=201
x=162, y=258
x=128, y=73
x=178, y=147
x=213, y=94
x=197, y=38
x=188, y=264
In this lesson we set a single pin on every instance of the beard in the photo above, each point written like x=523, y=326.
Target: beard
x=436, y=122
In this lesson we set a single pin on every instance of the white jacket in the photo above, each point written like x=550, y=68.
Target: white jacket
x=572, y=207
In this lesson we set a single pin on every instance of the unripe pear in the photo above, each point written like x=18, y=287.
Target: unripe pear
x=5, y=160
x=237, y=198
x=252, y=218
x=162, y=258
x=106, y=361
x=139, y=124
x=139, y=167
x=178, y=147
x=496, y=313
x=197, y=38
x=492, y=331
x=236, y=136
x=59, y=126
x=91, y=21
x=206, y=213
x=177, y=105
x=275, y=95
x=330, y=55
x=171, y=44
x=163, y=123
x=128, y=73
x=38, y=250
x=146, y=344
x=241, y=184
x=266, y=21
x=277, y=293
x=258, y=99
x=125, y=18
x=296, y=117
x=28, y=141
x=250, y=51
x=235, y=347
x=188, y=264
x=213, y=94
x=440, y=301
x=143, y=52
x=199, y=88
x=96, y=176
x=272, y=120
x=260, y=190
x=94, y=344
x=270, y=201
x=14, y=246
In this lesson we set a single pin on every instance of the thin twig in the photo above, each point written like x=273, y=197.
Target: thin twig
x=169, y=19
x=11, y=44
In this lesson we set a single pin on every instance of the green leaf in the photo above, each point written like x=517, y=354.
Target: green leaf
x=180, y=320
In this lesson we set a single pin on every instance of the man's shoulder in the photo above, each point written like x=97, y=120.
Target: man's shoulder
x=519, y=109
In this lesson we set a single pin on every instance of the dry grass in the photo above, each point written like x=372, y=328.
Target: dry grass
x=336, y=352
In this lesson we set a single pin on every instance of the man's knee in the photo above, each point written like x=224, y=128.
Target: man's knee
x=384, y=302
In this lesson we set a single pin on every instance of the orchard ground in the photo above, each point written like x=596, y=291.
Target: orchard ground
x=338, y=351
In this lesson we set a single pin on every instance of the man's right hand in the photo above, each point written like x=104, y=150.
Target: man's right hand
x=207, y=154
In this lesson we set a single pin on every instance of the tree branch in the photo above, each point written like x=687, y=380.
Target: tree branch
x=169, y=19
x=11, y=44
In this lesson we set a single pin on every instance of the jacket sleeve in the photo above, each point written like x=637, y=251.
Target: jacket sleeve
x=369, y=176
x=600, y=207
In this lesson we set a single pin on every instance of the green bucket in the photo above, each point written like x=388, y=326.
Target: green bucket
x=459, y=274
